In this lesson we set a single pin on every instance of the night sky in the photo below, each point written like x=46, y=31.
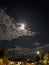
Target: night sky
x=35, y=15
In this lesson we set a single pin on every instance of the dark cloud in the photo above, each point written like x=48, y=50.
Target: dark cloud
x=26, y=51
x=9, y=30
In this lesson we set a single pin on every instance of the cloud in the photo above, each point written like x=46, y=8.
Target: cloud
x=22, y=51
x=42, y=47
x=26, y=51
x=37, y=44
x=9, y=30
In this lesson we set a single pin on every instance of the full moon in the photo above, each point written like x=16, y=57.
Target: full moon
x=22, y=26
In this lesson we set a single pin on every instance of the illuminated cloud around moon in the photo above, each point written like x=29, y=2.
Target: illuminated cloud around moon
x=9, y=30
x=22, y=27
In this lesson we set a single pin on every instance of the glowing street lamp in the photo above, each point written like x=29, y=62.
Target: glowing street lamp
x=38, y=52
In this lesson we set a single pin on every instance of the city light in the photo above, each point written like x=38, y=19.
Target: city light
x=38, y=52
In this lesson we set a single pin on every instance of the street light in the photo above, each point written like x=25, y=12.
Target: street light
x=38, y=52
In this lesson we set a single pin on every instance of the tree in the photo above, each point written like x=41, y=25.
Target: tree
x=46, y=58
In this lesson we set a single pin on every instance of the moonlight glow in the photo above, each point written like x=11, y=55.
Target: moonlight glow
x=22, y=26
